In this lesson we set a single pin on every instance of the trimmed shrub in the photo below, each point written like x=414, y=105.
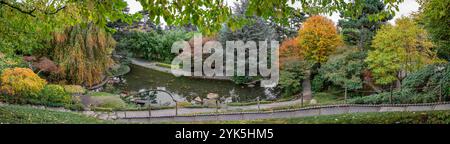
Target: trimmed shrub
x=405, y=96
x=55, y=94
x=74, y=89
x=112, y=102
x=21, y=85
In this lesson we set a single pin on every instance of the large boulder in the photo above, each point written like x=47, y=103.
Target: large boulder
x=212, y=96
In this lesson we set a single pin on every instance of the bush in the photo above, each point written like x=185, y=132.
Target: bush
x=21, y=85
x=291, y=75
x=289, y=83
x=74, y=89
x=100, y=94
x=241, y=79
x=112, y=102
x=152, y=45
x=405, y=96
x=55, y=94
x=10, y=61
x=75, y=107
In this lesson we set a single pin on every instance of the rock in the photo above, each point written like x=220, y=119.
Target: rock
x=103, y=116
x=212, y=96
x=198, y=99
x=228, y=100
x=313, y=101
x=89, y=113
x=142, y=90
x=251, y=85
x=113, y=117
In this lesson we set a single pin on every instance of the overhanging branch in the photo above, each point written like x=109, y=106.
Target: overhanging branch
x=30, y=12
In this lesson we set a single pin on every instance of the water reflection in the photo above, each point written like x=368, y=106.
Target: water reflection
x=187, y=89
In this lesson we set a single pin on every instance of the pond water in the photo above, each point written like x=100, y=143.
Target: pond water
x=187, y=89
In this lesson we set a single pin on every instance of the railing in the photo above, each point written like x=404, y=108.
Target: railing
x=300, y=112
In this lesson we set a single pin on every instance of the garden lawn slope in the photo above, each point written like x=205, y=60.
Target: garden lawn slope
x=12, y=114
x=429, y=117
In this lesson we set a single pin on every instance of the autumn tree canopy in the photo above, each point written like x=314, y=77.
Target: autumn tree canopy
x=319, y=38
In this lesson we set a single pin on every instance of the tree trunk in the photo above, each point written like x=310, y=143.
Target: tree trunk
x=307, y=92
x=398, y=84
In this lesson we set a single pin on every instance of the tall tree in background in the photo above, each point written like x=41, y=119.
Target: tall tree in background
x=256, y=29
x=318, y=38
x=360, y=30
x=435, y=16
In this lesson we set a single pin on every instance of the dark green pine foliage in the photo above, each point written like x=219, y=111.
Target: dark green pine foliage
x=360, y=30
x=255, y=29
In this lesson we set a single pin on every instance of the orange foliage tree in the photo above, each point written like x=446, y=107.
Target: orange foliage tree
x=318, y=38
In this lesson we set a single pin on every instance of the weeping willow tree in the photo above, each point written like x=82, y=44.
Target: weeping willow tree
x=83, y=53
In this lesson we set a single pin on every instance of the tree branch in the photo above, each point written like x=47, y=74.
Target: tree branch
x=19, y=9
x=31, y=11
x=55, y=12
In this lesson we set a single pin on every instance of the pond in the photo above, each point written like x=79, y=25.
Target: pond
x=187, y=89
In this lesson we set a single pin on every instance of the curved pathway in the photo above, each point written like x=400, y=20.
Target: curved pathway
x=192, y=111
x=311, y=111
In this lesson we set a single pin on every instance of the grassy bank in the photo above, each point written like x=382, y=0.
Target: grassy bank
x=13, y=114
x=430, y=117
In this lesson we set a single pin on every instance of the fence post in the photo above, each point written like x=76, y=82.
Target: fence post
x=440, y=93
x=217, y=107
x=257, y=98
x=390, y=97
x=149, y=109
x=345, y=95
x=176, y=108
x=301, y=102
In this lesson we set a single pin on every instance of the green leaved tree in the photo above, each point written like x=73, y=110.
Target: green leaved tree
x=399, y=50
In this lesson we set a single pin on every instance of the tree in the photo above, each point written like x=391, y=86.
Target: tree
x=360, y=30
x=398, y=50
x=434, y=15
x=210, y=15
x=26, y=25
x=345, y=70
x=318, y=38
x=256, y=29
x=83, y=53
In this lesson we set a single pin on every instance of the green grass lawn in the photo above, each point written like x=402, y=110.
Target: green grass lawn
x=430, y=117
x=13, y=114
